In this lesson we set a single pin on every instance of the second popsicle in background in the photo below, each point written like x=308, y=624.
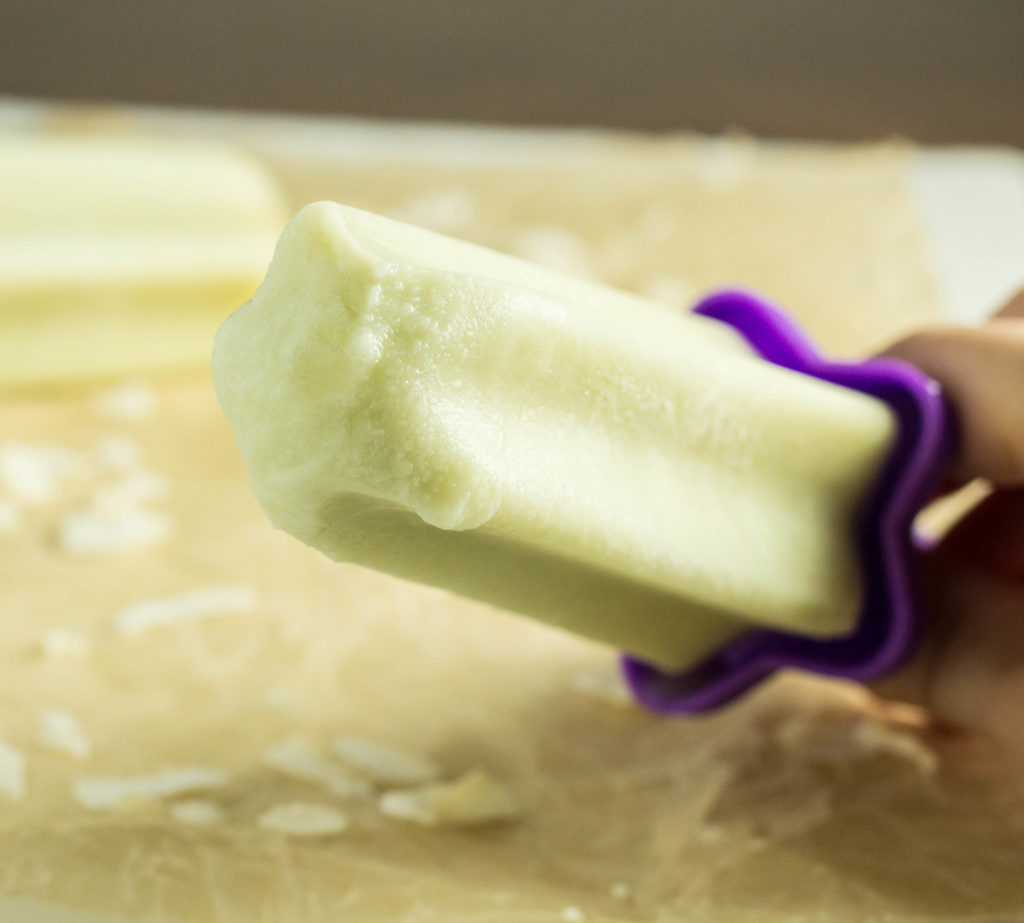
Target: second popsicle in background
x=121, y=255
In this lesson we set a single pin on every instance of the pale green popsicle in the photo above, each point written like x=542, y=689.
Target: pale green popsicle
x=558, y=449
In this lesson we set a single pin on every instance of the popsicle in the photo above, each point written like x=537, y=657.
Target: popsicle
x=122, y=255
x=581, y=455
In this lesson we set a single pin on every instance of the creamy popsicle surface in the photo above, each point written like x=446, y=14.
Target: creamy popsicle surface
x=573, y=453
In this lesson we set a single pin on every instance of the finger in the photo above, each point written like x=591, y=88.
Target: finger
x=969, y=670
x=982, y=372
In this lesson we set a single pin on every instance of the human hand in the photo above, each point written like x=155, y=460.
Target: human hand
x=969, y=672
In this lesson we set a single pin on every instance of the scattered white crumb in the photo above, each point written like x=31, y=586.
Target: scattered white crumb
x=117, y=453
x=555, y=248
x=620, y=890
x=64, y=642
x=444, y=210
x=473, y=799
x=196, y=812
x=34, y=474
x=299, y=758
x=12, y=771
x=10, y=517
x=130, y=491
x=131, y=402
x=384, y=764
x=303, y=819
x=605, y=684
x=193, y=606
x=572, y=915
x=61, y=731
x=116, y=519
x=94, y=532
x=99, y=794
x=671, y=290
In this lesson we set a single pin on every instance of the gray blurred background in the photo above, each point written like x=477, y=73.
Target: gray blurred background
x=930, y=70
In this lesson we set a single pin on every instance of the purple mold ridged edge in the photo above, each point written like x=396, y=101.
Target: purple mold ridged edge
x=889, y=623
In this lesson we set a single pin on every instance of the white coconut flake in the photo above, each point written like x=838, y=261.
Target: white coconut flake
x=620, y=890
x=444, y=210
x=117, y=453
x=415, y=806
x=604, y=684
x=63, y=642
x=555, y=248
x=303, y=819
x=10, y=517
x=196, y=812
x=474, y=799
x=210, y=602
x=61, y=731
x=299, y=758
x=128, y=403
x=102, y=794
x=97, y=532
x=12, y=772
x=384, y=764
x=35, y=474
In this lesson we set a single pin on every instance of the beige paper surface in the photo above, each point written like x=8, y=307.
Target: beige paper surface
x=798, y=804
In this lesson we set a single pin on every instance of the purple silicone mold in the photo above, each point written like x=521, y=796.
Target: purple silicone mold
x=888, y=624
